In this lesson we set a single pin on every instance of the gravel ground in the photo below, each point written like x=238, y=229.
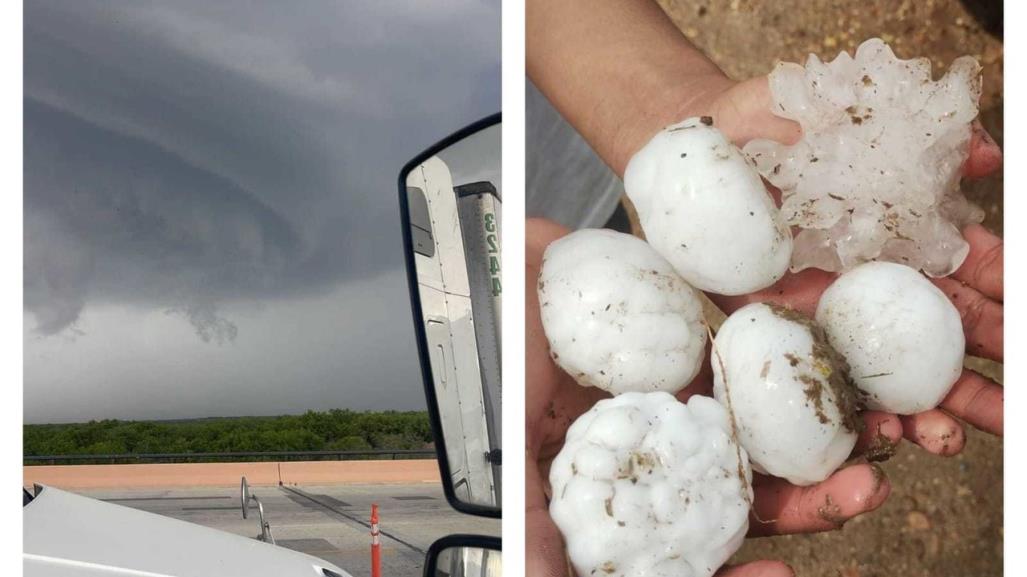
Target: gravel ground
x=944, y=516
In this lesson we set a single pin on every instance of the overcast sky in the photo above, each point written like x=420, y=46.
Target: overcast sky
x=211, y=214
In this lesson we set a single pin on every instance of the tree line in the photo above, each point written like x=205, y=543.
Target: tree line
x=334, y=430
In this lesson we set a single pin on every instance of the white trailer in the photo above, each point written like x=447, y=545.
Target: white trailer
x=455, y=233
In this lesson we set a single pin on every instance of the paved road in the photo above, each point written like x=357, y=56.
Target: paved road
x=325, y=521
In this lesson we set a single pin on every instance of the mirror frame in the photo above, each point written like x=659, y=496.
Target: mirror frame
x=422, y=339
x=431, y=559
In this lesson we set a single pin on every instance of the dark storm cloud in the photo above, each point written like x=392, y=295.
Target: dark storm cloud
x=236, y=149
x=151, y=225
x=184, y=156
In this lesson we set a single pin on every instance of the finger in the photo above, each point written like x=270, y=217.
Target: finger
x=782, y=508
x=978, y=401
x=748, y=113
x=543, y=544
x=935, y=431
x=757, y=569
x=539, y=233
x=982, y=318
x=982, y=268
x=800, y=291
x=985, y=155
x=877, y=441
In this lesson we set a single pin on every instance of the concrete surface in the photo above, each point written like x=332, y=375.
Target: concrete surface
x=228, y=474
x=329, y=522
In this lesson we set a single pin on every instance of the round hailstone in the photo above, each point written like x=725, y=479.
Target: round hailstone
x=901, y=335
x=788, y=390
x=876, y=174
x=705, y=209
x=617, y=316
x=646, y=485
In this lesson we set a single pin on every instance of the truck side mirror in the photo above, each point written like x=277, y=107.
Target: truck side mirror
x=464, y=556
x=451, y=207
x=245, y=496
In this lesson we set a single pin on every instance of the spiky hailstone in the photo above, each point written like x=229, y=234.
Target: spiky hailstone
x=902, y=337
x=705, y=209
x=617, y=316
x=788, y=390
x=647, y=485
x=876, y=174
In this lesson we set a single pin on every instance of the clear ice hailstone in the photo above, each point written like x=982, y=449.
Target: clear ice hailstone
x=648, y=486
x=876, y=174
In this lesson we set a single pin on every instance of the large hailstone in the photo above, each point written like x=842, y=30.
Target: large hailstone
x=646, y=485
x=617, y=316
x=901, y=335
x=876, y=174
x=705, y=209
x=788, y=390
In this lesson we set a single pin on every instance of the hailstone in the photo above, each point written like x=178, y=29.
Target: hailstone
x=788, y=391
x=876, y=174
x=705, y=209
x=647, y=485
x=617, y=316
x=901, y=335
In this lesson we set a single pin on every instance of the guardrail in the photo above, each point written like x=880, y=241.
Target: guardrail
x=387, y=454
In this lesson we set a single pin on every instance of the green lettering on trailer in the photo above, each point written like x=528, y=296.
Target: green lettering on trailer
x=493, y=242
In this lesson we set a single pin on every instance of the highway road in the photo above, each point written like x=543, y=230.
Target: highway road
x=330, y=522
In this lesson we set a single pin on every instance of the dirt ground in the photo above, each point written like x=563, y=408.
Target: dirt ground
x=944, y=516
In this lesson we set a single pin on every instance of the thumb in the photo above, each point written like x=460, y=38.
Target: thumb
x=745, y=112
x=543, y=544
x=985, y=155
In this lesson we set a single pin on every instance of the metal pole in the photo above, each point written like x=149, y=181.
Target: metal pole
x=376, y=555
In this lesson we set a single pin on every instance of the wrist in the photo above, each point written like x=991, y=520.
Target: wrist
x=666, y=104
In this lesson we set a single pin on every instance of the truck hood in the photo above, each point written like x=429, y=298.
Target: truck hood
x=70, y=535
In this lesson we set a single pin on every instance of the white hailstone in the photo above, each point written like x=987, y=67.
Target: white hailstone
x=876, y=174
x=647, y=485
x=793, y=404
x=617, y=316
x=705, y=209
x=901, y=335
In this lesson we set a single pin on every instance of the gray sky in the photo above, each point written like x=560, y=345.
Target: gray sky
x=211, y=214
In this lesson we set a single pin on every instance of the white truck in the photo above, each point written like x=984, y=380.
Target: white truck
x=68, y=535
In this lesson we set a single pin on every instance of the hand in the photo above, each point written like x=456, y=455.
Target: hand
x=554, y=400
x=742, y=111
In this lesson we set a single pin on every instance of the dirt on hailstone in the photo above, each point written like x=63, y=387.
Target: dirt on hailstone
x=944, y=515
x=832, y=368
